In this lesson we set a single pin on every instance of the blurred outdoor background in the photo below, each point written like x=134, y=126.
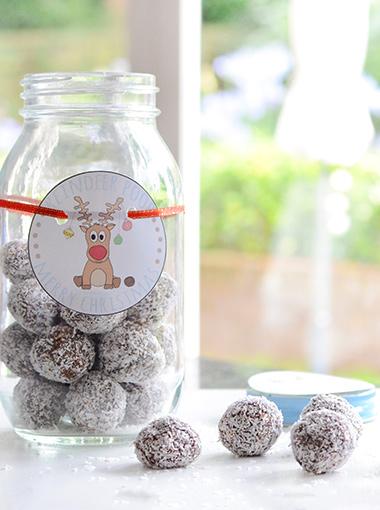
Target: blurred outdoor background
x=291, y=186
x=290, y=181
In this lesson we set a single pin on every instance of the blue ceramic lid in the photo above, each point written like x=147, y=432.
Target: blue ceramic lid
x=291, y=391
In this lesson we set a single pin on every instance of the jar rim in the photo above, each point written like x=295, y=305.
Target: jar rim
x=96, y=90
x=91, y=78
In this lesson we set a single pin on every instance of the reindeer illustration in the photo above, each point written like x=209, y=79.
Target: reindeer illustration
x=98, y=270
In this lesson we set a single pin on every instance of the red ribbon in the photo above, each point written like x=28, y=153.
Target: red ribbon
x=31, y=206
x=154, y=213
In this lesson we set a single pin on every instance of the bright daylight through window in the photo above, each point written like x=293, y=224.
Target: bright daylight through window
x=290, y=188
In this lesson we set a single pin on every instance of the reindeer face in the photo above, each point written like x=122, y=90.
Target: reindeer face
x=98, y=241
x=98, y=235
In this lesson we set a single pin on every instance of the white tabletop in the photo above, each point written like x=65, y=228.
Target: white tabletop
x=103, y=478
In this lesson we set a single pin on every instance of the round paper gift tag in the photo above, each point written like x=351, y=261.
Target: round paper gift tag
x=90, y=263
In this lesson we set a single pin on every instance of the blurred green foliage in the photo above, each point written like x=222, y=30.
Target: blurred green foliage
x=223, y=10
x=242, y=195
x=231, y=24
x=47, y=50
x=16, y=14
x=259, y=20
x=61, y=35
x=263, y=201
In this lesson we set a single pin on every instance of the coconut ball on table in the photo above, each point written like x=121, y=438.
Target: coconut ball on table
x=32, y=307
x=250, y=426
x=91, y=324
x=337, y=404
x=14, y=261
x=322, y=441
x=130, y=353
x=96, y=403
x=167, y=443
x=157, y=305
x=64, y=355
x=38, y=403
x=15, y=346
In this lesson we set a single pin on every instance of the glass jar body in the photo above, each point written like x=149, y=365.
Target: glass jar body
x=50, y=150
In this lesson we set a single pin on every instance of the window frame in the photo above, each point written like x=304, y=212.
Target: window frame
x=165, y=39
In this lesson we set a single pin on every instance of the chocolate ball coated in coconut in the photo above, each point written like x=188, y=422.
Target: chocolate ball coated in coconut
x=32, y=307
x=65, y=355
x=38, y=403
x=92, y=324
x=157, y=305
x=15, y=346
x=96, y=403
x=165, y=335
x=14, y=261
x=144, y=401
x=339, y=405
x=167, y=443
x=131, y=353
x=322, y=441
x=250, y=426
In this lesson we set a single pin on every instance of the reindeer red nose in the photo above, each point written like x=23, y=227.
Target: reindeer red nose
x=97, y=252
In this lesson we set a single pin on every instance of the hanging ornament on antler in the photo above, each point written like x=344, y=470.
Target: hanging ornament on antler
x=68, y=233
x=127, y=224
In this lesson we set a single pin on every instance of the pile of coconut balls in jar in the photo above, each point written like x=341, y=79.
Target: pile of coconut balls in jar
x=103, y=372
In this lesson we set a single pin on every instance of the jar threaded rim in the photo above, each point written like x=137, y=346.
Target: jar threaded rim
x=89, y=92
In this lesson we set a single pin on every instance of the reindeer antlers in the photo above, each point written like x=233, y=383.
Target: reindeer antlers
x=111, y=209
x=85, y=216
x=83, y=211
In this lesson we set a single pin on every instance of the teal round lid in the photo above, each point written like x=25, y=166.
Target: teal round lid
x=291, y=391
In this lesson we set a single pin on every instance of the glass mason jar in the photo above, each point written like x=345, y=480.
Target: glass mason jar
x=92, y=368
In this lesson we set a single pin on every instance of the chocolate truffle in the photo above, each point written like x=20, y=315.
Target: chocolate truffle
x=14, y=261
x=131, y=353
x=91, y=324
x=339, y=405
x=167, y=443
x=32, y=307
x=144, y=401
x=38, y=404
x=15, y=345
x=322, y=441
x=165, y=335
x=157, y=305
x=96, y=403
x=250, y=426
x=65, y=355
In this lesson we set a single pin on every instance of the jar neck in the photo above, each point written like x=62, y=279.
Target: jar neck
x=79, y=95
